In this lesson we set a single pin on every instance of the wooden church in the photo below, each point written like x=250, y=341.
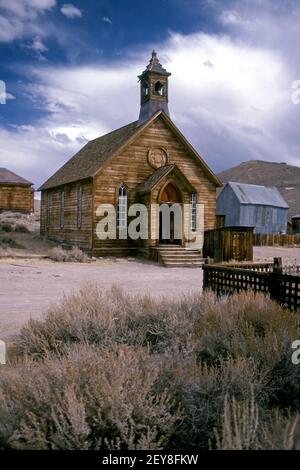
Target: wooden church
x=149, y=162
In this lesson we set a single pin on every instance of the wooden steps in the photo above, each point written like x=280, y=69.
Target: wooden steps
x=173, y=256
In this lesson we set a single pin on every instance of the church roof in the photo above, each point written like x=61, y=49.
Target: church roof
x=153, y=179
x=91, y=158
x=158, y=175
x=155, y=66
x=8, y=177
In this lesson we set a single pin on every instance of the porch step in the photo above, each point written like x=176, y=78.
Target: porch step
x=179, y=257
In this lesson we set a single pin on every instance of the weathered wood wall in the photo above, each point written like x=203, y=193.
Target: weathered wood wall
x=131, y=168
x=51, y=217
x=225, y=244
x=16, y=198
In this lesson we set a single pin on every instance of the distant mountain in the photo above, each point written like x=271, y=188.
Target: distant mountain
x=285, y=177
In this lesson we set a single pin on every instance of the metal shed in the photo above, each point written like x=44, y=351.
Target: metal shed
x=249, y=205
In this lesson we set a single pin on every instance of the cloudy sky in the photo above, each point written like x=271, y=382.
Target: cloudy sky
x=70, y=71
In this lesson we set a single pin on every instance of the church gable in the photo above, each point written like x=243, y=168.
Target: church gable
x=157, y=143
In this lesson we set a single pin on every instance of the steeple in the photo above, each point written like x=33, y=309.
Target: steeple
x=154, y=89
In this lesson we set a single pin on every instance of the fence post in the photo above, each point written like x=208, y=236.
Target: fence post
x=277, y=266
x=207, y=262
x=274, y=286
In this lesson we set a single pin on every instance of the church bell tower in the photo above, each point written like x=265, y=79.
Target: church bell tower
x=154, y=89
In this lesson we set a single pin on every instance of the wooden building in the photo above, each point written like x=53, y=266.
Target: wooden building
x=249, y=205
x=16, y=193
x=296, y=224
x=229, y=243
x=148, y=161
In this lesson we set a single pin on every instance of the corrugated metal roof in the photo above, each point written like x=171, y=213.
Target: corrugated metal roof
x=297, y=216
x=8, y=177
x=261, y=195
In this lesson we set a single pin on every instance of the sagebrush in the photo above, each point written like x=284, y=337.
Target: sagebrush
x=73, y=255
x=105, y=370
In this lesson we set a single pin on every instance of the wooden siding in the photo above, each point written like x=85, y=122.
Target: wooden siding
x=131, y=167
x=225, y=244
x=70, y=232
x=16, y=198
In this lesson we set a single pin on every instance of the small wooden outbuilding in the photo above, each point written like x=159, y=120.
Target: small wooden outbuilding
x=16, y=193
x=229, y=243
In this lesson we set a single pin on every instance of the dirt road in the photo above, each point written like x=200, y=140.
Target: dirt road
x=29, y=287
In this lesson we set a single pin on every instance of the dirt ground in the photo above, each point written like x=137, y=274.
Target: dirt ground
x=29, y=283
x=29, y=287
x=267, y=253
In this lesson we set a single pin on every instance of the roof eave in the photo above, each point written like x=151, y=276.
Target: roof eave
x=44, y=187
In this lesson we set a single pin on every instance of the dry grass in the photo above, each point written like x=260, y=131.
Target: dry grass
x=21, y=228
x=9, y=242
x=107, y=370
x=74, y=255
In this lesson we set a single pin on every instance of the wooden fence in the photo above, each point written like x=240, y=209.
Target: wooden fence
x=260, y=239
x=266, y=278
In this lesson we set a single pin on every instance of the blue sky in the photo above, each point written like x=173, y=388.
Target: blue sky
x=71, y=69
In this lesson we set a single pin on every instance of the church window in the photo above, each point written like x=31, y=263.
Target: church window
x=159, y=88
x=145, y=88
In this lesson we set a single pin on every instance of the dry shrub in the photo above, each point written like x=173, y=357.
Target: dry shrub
x=6, y=227
x=240, y=425
x=109, y=370
x=21, y=228
x=9, y=242
x=91, y=398
x=251, y=325
x=243, y=429
x=74, y=255
x=101, y=317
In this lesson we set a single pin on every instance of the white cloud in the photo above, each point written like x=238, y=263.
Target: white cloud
x=106, y=19
x=239, y=109
x=18, y=18
x=9, y=96
x=6, y=97
x=38, y=45
x=26, y=8
x=70, y=11
x=231, y=17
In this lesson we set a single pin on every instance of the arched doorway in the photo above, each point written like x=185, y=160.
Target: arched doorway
x=170, y=217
